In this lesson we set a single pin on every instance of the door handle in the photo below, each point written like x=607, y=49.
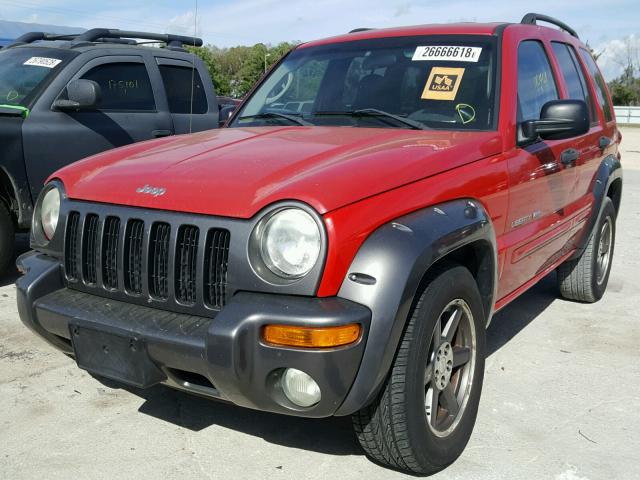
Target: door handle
x=604, y=142
x=569, y=157
x=161, y=133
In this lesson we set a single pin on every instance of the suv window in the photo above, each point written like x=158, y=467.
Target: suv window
x=601, y=86
x=179, y=87
x=574, y=76
x=125, y=86
x=445, y=82
x=536, y=84
x=25, y=71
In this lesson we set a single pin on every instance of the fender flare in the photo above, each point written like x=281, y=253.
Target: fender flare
x=609, y=171
x=387, y=271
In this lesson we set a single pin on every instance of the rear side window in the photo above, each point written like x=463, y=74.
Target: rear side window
x=574, y=76
x=125, y=86
x=536, y=85
x=181, y=83
x=601, y=86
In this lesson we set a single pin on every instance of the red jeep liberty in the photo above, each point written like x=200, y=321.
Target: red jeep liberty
x=340, y=248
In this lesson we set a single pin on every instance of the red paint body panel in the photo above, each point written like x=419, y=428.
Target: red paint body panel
x=237, y=172
x=360, y=179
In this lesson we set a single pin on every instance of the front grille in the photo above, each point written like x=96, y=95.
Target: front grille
x=133, y=256
x=72, y=242
x=90, y=249
x=159, y=260
x=110, y=241
x=217, y=258
x=172, y=266
x=186, y=267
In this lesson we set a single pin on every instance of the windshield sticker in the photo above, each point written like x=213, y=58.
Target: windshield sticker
x=452, y=54
x=443, y=83
x=43, y=62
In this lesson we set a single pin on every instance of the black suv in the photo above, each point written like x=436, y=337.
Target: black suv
x=66, y=97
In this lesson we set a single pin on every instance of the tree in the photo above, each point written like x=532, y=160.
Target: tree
x=625, y=90
x=235, y=70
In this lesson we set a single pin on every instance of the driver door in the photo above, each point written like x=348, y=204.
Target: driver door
x=541, y=185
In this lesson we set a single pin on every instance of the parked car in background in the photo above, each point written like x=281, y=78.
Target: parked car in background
x=66, y=97
x=341, y=247
x=227, y=106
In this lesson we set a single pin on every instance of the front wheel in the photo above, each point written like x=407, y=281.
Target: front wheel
x=424, y=416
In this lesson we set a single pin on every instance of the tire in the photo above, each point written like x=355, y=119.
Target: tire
x=585, y=278
x=394, y=429
x=7, y=239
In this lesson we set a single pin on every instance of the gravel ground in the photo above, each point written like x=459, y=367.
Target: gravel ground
x=560, y=400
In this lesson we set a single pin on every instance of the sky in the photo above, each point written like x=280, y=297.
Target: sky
x=603, y=23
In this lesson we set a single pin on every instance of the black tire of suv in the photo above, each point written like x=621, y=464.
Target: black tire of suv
x=7, y=238
x=578, y=278
x=393, y=430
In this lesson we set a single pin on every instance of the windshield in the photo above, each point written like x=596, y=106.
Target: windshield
x=440, y=82
x=24, y=70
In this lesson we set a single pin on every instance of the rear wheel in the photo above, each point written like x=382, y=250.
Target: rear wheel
x=7, y=238
x=585, y=278
x=424, y=416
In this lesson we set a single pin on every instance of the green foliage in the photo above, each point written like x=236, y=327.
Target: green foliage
x=625, y=91
x=235, y=70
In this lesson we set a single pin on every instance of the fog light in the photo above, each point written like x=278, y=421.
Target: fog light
x=300, y=388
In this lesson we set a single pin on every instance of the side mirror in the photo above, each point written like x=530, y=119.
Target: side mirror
x=225, y=114
x=82, y=95
x=559, y=119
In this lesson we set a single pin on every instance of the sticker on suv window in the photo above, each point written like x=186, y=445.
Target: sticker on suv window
x=448, y=53
x=43, y=62
x=443, y=83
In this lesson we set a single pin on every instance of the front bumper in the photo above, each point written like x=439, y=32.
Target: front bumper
x=223, y=357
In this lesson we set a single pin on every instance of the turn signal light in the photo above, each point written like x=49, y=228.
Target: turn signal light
x=310, y=337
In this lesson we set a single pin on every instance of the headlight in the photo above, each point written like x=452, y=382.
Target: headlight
x=290, y=243
x=50, y=212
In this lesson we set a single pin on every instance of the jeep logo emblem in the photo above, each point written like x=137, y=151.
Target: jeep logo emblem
x=149, y=190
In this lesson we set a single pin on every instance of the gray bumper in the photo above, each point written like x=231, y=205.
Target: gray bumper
x=222, y=357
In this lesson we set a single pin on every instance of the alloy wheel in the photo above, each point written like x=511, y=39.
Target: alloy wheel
x=450, y=367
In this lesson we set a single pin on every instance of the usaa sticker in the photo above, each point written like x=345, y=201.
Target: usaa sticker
x=443, y=83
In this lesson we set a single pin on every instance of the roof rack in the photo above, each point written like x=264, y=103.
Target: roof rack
x=105, y=35
x=533, y=18
x=172, y=41
x=31, y=37
x=363, y=29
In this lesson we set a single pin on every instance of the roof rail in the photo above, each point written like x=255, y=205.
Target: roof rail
x=31, y=37
x=172, y=41
x=533, y=18
x=363, y=29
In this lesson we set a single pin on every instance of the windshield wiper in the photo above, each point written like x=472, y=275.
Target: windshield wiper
x=374, y=112
x=284, y=116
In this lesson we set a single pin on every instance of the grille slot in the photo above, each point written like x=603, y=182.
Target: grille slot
x=159, y=260
x=90, y=249
x=133, y=256
x=71, y=244
x=110, y=240
x=216, y=265
x=186, y=264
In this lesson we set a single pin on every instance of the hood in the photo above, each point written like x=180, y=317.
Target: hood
x=235, y=172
